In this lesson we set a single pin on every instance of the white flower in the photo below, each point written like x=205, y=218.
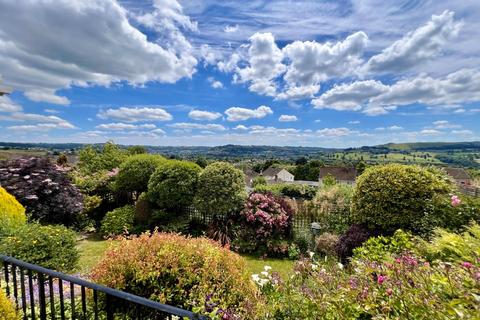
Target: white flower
x=340, y=265
x=311, y=253
x=266, y=268
x=255, y=277
x=314, y=266
x=265, y=273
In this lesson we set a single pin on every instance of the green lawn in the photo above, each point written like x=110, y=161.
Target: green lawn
x=92, y=249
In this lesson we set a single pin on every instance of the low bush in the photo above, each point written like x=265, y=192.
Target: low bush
x=384, y=248
x=288, y=190
x=264, y=225
x=331, y=207
x=353, y=238
x=395, y=196
x=52, y=247
x=326, y=243
x=407, y=288
x=12, y=213
x=7, y=308
x=173, y=185
x=453, y=247
x=191, y=273
x=118, y=221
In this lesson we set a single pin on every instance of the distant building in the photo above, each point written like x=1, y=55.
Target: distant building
x=460, y=176
x=278, y=175
x=345, y=175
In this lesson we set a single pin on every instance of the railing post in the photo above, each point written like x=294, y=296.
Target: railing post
x=41, y=296
x=5, y=268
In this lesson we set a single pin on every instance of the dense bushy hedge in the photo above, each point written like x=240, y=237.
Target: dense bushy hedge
x=44, y=189
x=52, y=247
x=118, y=221
x=221, y=189
x=287, y=190
x=191, y=273
x=394, y=196
x=136, y=171
x=173, y=185
x=106, y=158
x=12, y=213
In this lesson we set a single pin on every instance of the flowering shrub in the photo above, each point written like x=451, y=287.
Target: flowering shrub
x=52, y=247
x=12, y=213
x=7, y=308
x=265, y=224
x=395, y=196
x=44, y=189
x=407, y=288
x=191, y=273
x=118, y=221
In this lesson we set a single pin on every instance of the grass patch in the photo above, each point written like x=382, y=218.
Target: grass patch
x=92, y=249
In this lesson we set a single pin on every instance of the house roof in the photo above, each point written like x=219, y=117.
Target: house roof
x=271, y=172
x=340, y=173
x=458, y=173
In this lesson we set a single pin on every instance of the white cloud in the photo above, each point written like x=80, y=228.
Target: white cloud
x=231, y=29
x=240, y=127
x=36, y=127
x=430, y=132
x=395, y=128
x=287, y=118
x=119, y=126
x=264, y=64
x=354, y=122
x=241, y=114
x=97, y=45
x=51, y=111
x=444, y=124
x=462, y=132
x=215, y=83
x=7, y=105
x=300, y=92
x=136, y=114
x=334, y=132
x=414, y=48
x=204, y=115
x=197, y=126
x=33, y=117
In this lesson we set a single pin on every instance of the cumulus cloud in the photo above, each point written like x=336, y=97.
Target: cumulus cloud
x=287, y=118
x=7, y=105
x=136, y=114
x=197, y=126
x=55, y=121
x=242, y=114
x=334, y=132
x=119, y=126
x=264, y=64
x=215, y=83
x=231, y=29
x=414, y=48
x=444, y=124
x=204, y=115
x=94, y=44
x=430, y=132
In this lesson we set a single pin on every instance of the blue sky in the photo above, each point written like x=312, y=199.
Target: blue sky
x=310, y=73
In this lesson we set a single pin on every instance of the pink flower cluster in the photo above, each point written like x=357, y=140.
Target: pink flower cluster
x=266, y=213
x=455, y=201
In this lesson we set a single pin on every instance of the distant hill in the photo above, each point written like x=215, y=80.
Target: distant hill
x=435, y=146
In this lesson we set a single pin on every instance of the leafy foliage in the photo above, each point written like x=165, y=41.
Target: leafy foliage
x=264, y=225
x=52, y=247
x=326, y=243
x=7, y=308
x=92, y=160
x=221, y=189
x=259, y=181
x=44, y=189
x=135, y=172
x=287, y=190
x=173, y=185
x=12, y=213
x=394, y=196
x=331, y=207
x=192, y=273
x=118, y=221
x=383, y=248
x=354, y=237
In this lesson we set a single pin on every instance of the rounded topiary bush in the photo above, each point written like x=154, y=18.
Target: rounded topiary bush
x=173, y=185
x=192, y=273
x=221, y=189
x=395, y=196
x=12, y=213
x=135, y=172
x=118, y=221
x=52, y=247
x=7, y=308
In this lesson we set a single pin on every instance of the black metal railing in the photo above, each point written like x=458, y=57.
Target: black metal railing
x=40, y=293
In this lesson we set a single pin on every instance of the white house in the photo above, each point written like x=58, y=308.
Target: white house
x=278, y=175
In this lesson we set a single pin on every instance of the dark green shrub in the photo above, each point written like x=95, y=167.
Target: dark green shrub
x=136, y=171
x=118, y=221
x=288, y=190
x=193, y=273
x=52, y=247
x=221, y=189
x=173, y=185
x=259, y=180
x=395, y=196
